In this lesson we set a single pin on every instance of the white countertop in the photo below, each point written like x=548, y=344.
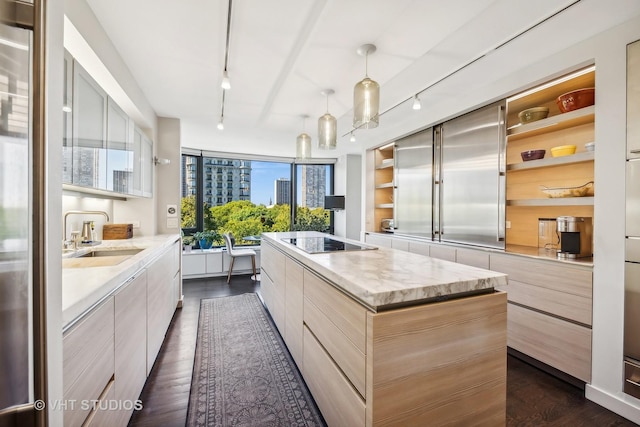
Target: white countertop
x=83, y=287
x=385, y=277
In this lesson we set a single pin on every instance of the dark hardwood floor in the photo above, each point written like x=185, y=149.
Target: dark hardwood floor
x=534, y=398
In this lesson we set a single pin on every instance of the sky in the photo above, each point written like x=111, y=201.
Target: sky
x=263, y=176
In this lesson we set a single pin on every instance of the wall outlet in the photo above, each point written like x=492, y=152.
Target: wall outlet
x=136, y=224
x=507, y=224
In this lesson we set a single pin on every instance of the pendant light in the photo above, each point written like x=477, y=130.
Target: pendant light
x=327, y=127
x=366, y=95
x=303, y=143
x=353, y=137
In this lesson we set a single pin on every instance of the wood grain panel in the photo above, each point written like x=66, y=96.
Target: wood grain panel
x=575, y=135
x=442, y=361
x=83, y=343
x=160, y=304
x=272, y=262
x=524, y=221
x=563, y=345
x=102, y=415
x=266, y=290
x=474, y=258
x=525, y=183
x=346, y=355
x=550, y=275
x=574, y=307
x=90, y=386
x=294, y=305
x=339, y=403
x=347, y=315
x=130, y=343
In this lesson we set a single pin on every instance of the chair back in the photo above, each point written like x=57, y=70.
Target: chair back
x=228, y=241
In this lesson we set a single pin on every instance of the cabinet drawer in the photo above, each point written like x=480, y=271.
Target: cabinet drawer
x=274, y=262
x=347, y=316
x=446, y=253
x=102, y=415
x=473, y=258
x=193, y=264
x=562, y=278
x=88, y=361
x=266, y=290
x=294, y=303
x=346, y=355
x=562, y=304
x=339, y=403
x=563, y=345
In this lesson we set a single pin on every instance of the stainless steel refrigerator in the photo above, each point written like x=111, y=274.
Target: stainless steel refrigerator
x=413, y=185
x=21, y=354
x=632, y=241
x=469, y=180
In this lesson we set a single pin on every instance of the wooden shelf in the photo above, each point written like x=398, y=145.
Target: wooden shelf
x=587, y=156
x=390, y=165
x=560, y=201
x=558, y=122
x=385, y=185
x=385, y=206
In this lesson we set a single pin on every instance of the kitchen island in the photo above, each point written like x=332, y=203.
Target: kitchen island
x=386, y=337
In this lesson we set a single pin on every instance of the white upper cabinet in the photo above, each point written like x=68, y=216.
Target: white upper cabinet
x=103, y=149
x=89, y=131
x=119, y=150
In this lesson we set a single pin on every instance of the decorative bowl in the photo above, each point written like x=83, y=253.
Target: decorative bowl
x=557, y=192
x=576, y=99
x=532, y=155
x=590, y=146
x=533, y=114
x=563, y=150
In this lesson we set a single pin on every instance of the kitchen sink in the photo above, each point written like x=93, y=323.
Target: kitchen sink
x=110, y=252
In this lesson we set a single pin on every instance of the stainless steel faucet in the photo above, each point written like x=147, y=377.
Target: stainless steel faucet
x=64, y=222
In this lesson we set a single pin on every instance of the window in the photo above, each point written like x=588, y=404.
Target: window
x=248, y=197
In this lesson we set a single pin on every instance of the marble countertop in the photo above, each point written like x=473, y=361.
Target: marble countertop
x=87, y=281
x=388, y=277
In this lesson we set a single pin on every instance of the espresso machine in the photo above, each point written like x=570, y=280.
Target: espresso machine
x=575, y=235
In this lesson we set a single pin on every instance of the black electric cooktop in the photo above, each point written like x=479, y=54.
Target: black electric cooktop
x=316, y=245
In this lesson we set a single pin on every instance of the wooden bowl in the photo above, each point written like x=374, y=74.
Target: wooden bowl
x=532, y=155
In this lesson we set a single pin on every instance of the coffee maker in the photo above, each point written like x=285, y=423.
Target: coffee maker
x=575, y=235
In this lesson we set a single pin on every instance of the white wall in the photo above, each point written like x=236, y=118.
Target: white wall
x=167, y=183
x=348, y=182
x=524, y=65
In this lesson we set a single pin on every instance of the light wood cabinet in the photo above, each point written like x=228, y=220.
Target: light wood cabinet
x=339, y=403
x=381, y=191
x=130, y=343
x=88, y=361
x=294, y=274
x=549, y=312
x=274, y=267
x=525, y=200
x=160, y=302
x=407, y=366
x=339, y=324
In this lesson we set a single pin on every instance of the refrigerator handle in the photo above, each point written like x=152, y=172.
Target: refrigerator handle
x=437, y=183
x=502, y=167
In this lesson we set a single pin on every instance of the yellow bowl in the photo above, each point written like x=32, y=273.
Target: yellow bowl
x=563, y=150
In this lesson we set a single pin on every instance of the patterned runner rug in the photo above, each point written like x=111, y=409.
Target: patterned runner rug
x=243, y=374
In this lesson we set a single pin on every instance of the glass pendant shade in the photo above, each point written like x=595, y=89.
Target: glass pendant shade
x=303, y=146
x=366, y=103
x=327, y=132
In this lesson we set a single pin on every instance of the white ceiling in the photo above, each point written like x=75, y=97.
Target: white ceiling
x=284, y=52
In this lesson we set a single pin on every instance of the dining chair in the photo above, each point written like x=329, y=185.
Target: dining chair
x=234, y=253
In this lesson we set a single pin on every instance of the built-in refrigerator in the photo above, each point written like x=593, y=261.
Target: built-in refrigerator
x=21, y=355
x=413, y=185
x=469, y=178
x=632, y=241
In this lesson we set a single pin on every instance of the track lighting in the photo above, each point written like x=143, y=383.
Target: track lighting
x=221, y=124
x=352, y=138
x=416, y=103
x=226, y=84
